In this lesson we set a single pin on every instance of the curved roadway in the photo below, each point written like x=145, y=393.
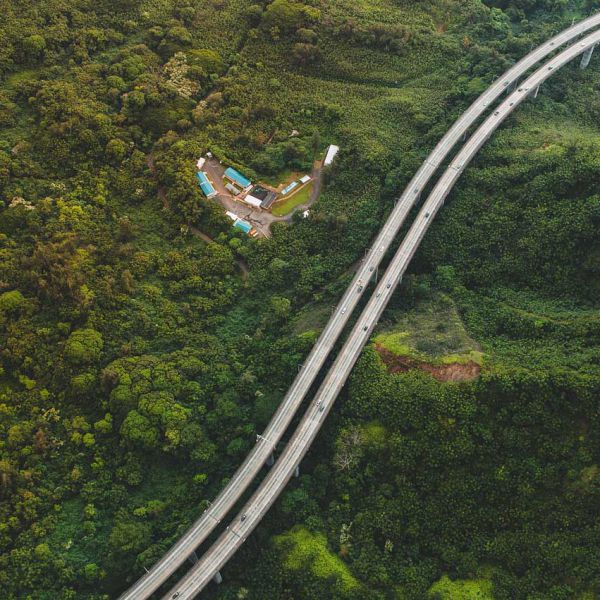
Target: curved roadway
x=252, y=513
x=266, y=443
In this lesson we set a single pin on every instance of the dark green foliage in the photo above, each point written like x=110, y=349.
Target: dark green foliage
x=136, y=365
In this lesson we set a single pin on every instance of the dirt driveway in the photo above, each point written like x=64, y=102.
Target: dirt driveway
x=259, y=219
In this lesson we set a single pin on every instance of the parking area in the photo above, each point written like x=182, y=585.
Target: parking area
x=259, y=219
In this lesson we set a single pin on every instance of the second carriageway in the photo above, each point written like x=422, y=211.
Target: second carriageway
x=268, y=492
x=266, y=443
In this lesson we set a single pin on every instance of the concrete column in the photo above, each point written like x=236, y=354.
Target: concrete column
x=464, y=137
x=587, y=56
x=193, y=557
x=271, y=460
x=537, y=91
x=297, y=471
x=218, y=578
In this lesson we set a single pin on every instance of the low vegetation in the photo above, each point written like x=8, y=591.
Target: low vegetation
x=286, y=206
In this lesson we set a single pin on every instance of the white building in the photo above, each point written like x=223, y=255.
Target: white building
x=252, y=201
x=305, y=179
x=331, y=154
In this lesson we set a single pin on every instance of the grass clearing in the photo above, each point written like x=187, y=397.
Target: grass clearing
x=306, y=549
x=461, y=589
x=312, y=318
x=285, y=207
x=434, y=330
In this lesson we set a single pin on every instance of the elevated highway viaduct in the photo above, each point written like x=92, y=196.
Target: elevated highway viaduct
x=231, y=540
x=176, y=556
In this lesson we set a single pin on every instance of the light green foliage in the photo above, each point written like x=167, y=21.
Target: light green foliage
x=461, y=589
x=84, y=346
x=394, y=342
x=305, y=550
x=129, y=536
x=209, y=61
x=83, y=383
x=289, y=15
x=374, y=435
x=281, y=306
x=12, y=301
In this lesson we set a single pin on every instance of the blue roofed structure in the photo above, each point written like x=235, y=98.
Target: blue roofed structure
x=236, y=177
x=205, y=185
x=243, y=225
x=289, y=188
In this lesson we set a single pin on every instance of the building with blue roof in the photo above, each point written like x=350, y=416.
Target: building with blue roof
x=205, y=185
x=289, y=188
x=235, y=177
x=243, y=225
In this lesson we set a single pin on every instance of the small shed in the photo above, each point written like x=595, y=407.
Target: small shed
x=305, y=179
x=243, y=225
x=289, y=188
x=200, y=163
x=237, y=178
x=252, y=201
x=331, y=154
x=205, y=185
x=233, y=189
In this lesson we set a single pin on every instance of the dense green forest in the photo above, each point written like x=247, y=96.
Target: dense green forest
x=138, y=361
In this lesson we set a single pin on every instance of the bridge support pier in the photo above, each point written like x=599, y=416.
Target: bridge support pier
x=271, y=460
x=587, y=56
x=218, y=578
x=193, y=557
x=297, y=471
x=537, y=91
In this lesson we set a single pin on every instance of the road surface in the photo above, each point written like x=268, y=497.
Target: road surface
x=266, y=443
x=268, y=492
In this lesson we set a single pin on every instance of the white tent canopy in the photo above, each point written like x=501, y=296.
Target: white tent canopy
x=331, y=152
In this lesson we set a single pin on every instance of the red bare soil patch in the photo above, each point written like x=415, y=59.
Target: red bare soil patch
x=450, y=372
